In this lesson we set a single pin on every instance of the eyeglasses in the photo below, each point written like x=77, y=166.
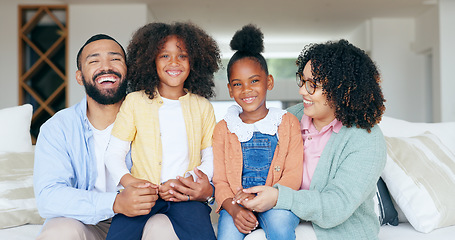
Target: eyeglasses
x=310, y=85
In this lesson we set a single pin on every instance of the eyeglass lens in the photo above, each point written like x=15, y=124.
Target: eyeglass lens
x=309, y=86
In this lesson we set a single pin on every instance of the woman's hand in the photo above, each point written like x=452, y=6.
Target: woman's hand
x=265, y=199
x=200, y=190
x=241, y=196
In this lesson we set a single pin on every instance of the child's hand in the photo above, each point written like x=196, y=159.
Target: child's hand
x=166, y=190
x=128, y=179
x=241, y=196
x=244, y=219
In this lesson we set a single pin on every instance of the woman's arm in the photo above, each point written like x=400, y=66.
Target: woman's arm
x=332, y=203
x=354, y=170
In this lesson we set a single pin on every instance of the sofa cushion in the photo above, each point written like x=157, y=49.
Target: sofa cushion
x=15, y=129
x=420, y=175
x=17, y=200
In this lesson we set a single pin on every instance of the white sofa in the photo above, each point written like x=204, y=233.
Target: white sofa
x=16, y=212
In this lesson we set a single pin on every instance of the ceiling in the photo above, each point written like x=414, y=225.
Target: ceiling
x=288, y=20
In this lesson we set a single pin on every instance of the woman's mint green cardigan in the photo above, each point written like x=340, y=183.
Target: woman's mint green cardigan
x=339, y=202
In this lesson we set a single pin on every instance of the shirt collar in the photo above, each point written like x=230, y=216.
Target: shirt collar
x=81, y=108
x=159, y=99
x=268, y=125
x=306, y=122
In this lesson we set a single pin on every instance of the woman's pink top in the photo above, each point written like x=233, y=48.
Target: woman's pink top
x=313, y=145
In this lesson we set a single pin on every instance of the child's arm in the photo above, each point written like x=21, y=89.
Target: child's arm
x=206, y=164
x=244, y=219
x=208, y=125
x=114, y=159
x=293, y=164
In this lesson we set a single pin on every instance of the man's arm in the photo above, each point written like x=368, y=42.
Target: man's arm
x=63, y=182
x=61, y=179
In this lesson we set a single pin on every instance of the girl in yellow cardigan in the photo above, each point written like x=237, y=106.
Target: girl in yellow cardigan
x=254, y=145
x=169, y=123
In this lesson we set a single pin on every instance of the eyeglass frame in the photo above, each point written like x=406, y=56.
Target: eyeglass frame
x=300, y=82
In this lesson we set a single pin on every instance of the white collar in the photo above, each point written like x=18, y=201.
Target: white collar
x=244, y=131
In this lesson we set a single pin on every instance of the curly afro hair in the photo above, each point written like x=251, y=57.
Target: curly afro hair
x=350, y=81
x=147, y=41
x=249, y=43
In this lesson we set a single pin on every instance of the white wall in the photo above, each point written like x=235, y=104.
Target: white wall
x=117, y=20
x=427, y=44
x=9, y=86
x=85, y=20
x=400, y=67
x=447, y=58
x=361, y=36
x=400, y=47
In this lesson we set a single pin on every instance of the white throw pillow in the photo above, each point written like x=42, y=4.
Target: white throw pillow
x=445, y=131
x=15, y=129
x=17, y=200
x=420, y=176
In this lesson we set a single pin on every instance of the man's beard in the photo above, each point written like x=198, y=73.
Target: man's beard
x=110, y=96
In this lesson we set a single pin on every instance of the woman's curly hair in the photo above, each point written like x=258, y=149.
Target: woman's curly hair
x=350, y=81
x=147, y=41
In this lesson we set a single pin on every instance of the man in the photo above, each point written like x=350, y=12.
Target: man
x=73, y=190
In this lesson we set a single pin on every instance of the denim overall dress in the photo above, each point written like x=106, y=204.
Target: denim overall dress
x=257, y=156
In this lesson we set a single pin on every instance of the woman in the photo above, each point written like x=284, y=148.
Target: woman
x=342, y=103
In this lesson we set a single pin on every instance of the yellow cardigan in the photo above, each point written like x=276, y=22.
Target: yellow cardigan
x=138, y=122
x=286, y=167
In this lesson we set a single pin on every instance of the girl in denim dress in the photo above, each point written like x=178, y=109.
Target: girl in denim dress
x=254, y=145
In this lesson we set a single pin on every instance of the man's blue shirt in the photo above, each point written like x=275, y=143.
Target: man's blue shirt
x=65, y=169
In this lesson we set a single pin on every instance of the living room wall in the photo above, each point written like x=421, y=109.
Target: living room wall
x=117, y=20
x=84, y=21
x=392, y=43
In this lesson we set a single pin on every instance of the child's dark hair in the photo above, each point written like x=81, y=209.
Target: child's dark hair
x=350, y=81
x=202, y=49
x=249, y=43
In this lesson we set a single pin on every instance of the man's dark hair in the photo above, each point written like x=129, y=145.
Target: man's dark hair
x=93, y=39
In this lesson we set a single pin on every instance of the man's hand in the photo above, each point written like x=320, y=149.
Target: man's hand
x=198, y=191
x=136, y=199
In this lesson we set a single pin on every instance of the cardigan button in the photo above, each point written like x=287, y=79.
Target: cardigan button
x=277, y=168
